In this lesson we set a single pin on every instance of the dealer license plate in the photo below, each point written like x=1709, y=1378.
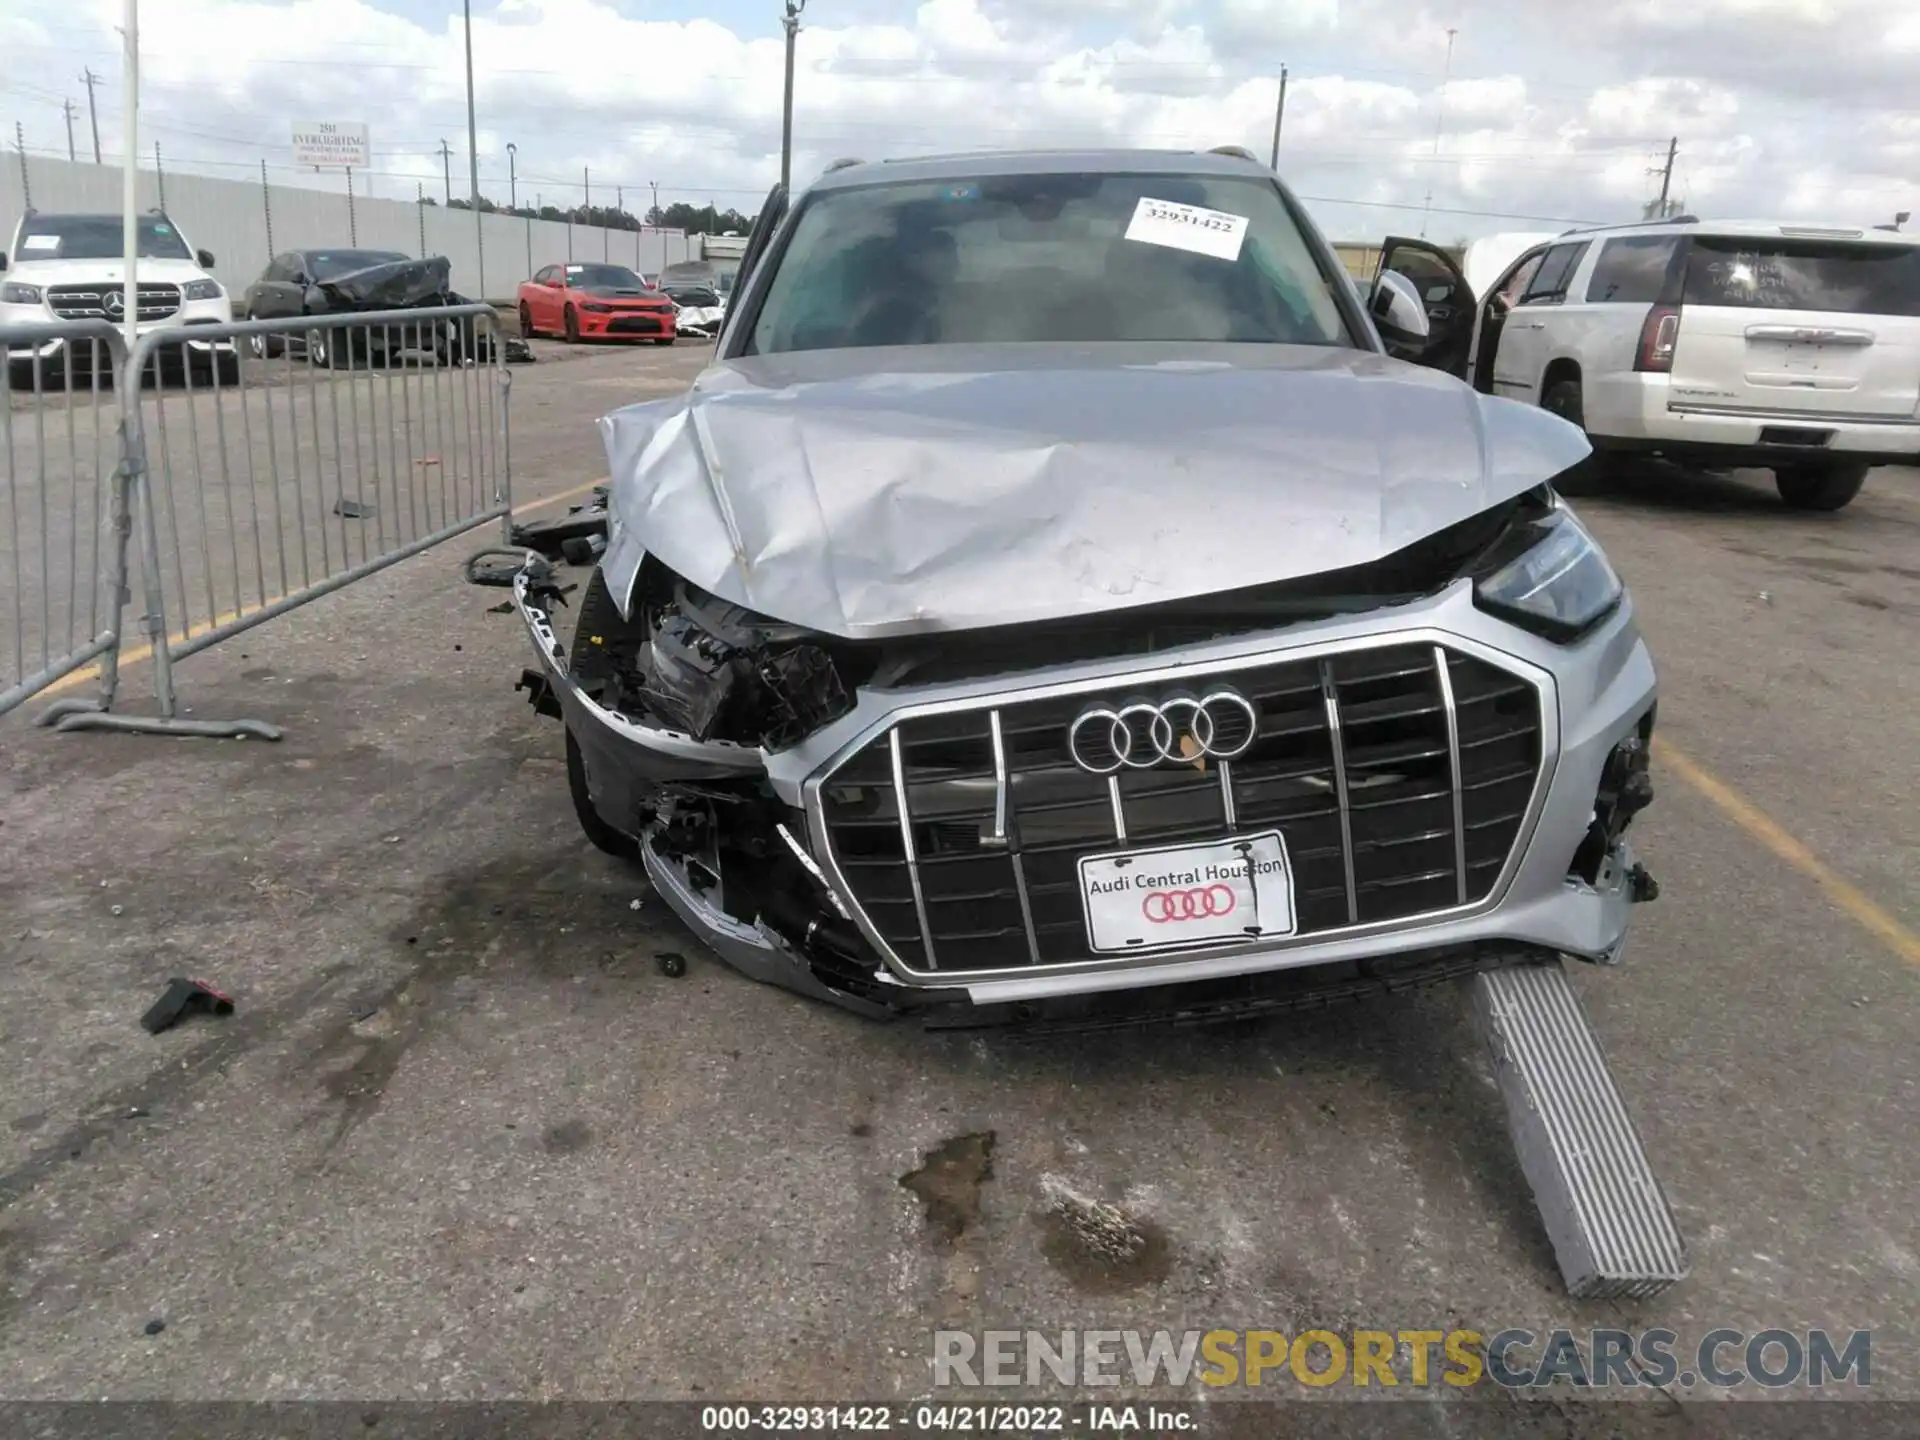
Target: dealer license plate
x=1183, y=895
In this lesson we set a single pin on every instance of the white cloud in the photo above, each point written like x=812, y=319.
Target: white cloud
x=1558, y=110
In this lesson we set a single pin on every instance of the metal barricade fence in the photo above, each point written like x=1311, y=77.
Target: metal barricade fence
x=63, y=505
x=268, y=463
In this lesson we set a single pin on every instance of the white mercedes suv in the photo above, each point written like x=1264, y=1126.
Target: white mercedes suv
x=71, y=267
x=1732, y=343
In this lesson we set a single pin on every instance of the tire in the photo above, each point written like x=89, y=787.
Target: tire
x=319, y=349
x=1819, y=487
x=265, y=347
x=572, y=323
x=599, y=833
x=226, y=369
x=666, y=340
x=1566, y=399
x=526, y=321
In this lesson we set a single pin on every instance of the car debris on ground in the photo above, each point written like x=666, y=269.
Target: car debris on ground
x=182, y=998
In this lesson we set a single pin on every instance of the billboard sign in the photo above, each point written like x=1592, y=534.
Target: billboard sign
x=330, y=145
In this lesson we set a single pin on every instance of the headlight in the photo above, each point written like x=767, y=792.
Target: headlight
x=14, y=293
x=599, y=309
x=203, y=290
x=1558, y=584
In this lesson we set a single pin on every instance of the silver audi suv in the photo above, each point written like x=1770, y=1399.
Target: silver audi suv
x=1057, y=601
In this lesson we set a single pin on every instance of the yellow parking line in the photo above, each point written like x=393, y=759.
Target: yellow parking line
x=1765, y=829
x=133, y=654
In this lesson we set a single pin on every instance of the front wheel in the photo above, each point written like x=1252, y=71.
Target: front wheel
x=665, y=340
x=319, y=350
x=1819, y=487
x=599, y=833
x=526, y=321
x=572, y=324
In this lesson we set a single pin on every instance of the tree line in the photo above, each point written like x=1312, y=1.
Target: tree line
x=693, y=219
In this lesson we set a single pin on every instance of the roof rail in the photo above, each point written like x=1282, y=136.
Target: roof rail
x=845, y=162
x=1237, y=152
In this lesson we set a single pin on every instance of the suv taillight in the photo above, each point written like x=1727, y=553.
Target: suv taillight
x=1658, y=335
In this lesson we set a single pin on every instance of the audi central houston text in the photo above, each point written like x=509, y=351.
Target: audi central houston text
x=1055, y=594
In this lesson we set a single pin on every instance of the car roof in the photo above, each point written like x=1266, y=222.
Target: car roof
x=113, y=215
x=965, y=164
x=1753, y=229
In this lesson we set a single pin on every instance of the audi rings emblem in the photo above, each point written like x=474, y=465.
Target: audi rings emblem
x=1201, y=903
x=1181, y=729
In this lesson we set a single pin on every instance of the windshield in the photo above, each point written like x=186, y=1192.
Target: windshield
x=1032, y=258
x=696, y=295
x=97, y=237
x=330, y=264
x=613, y=277
x=1841, y=279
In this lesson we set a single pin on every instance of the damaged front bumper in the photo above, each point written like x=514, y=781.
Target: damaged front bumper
x=757, y=875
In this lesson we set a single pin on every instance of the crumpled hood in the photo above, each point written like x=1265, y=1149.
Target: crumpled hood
x=391, y=285
x=868, y=492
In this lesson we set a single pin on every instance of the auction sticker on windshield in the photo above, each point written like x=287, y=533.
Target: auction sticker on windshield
x=1180, y=895
x=1187, y=227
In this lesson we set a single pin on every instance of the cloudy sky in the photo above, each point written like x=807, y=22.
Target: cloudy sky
x=1549, y=111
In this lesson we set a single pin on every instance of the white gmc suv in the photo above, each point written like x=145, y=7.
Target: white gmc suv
x=71, y=267
x=1734, y=343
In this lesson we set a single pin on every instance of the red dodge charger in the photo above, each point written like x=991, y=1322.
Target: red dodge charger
x=592, y=302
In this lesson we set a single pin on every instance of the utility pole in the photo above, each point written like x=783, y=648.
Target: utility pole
x=1279, y=114
x=92, y=112
x=654, y=185
x=791, y=21
x=473, y=159
x=446, y=168
x=513, y=179
x=1666, y=177
x=586, y=196
x=20, y=147
x=1439, y=128
x=159, y=175
x=66, y=108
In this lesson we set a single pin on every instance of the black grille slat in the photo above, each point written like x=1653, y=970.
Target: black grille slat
x=1438, y=768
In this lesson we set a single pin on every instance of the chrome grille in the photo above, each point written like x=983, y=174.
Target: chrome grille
x=1400, y=776
x=89, y=302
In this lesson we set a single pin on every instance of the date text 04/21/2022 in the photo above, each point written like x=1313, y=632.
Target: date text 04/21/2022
x=961, y=1419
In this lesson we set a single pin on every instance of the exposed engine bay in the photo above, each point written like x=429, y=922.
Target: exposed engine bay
x=724, y=689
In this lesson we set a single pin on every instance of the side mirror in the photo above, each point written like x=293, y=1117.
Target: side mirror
x=204, y=258
x=1397, y=312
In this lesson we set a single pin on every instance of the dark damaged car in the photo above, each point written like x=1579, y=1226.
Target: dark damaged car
x=318, y=283
x=1054, y=600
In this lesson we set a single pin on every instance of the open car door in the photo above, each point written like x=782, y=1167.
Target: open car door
x=772, y=212
x=1451, y=311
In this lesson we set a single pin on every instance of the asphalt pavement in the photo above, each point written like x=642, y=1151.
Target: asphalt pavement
x=462, y=1138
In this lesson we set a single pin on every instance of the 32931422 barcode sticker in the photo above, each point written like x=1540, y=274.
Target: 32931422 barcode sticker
x=1187, y=227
